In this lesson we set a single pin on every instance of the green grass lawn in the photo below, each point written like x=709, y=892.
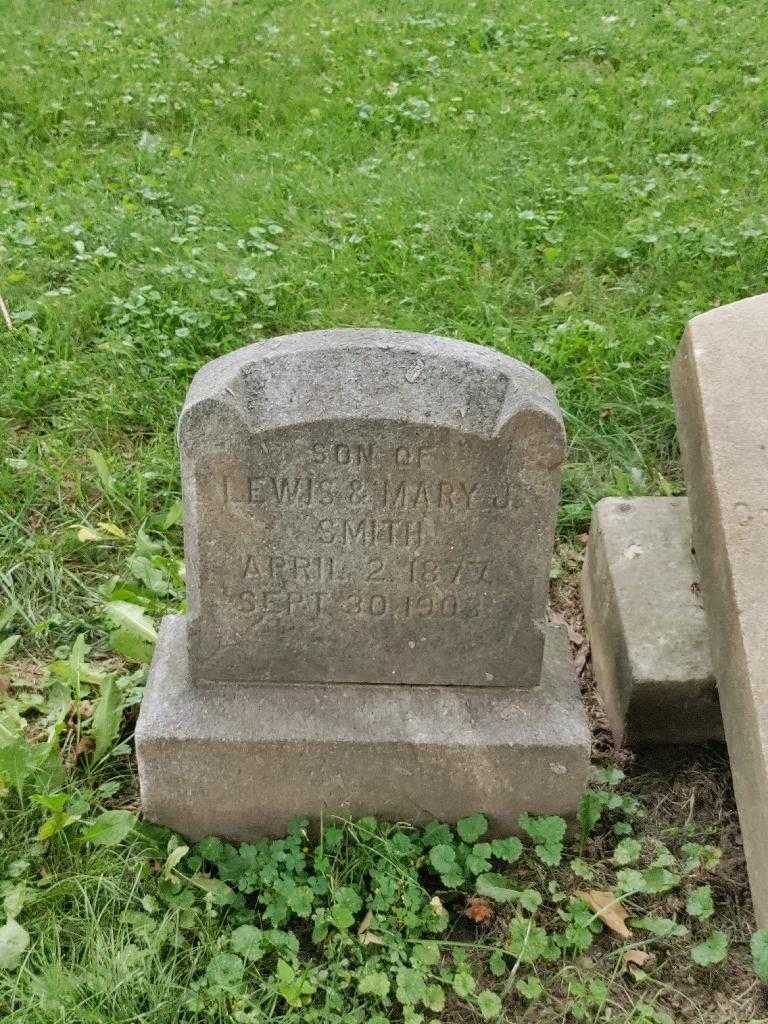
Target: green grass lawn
x=567, y=183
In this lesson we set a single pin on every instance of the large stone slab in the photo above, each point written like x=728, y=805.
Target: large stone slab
x=364, y=506
x=720, y=387
x=646, y=623
x=241, y=761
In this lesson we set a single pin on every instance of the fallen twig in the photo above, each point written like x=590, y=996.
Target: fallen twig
x=6, y=314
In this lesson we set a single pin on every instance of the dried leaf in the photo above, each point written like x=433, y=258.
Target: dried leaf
x=608, y=908
x=575, y=635
x=365, y=924
x=84, y=747
x=581, y=659
x=113, y=531
x=86, y=534
x=79, y=711
x=479, y=910
x=637, y=958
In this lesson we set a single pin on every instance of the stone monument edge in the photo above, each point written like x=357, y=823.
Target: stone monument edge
x=745, y=728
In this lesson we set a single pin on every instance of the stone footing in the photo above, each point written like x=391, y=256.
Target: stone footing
x=242, y=761
x=646, y=623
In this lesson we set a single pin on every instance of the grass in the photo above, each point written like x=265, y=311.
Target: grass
x=119, y=936
x=568, y=183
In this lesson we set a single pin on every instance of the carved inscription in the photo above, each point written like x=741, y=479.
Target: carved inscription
x=393, y=546
x=281, y=575
x=388, y=494
x=340, y=518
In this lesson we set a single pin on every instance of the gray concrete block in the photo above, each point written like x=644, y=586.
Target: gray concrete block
x=720, y=387
x=646, y=623
x=241, y=761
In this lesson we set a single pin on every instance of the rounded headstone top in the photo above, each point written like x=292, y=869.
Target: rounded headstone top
x=375, y=374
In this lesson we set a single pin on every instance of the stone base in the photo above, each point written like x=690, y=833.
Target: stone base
x=241, y=762
x=646, y=623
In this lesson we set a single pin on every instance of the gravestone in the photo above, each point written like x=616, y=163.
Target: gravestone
x=720, y=387
x=646, y=624
x=369, y=520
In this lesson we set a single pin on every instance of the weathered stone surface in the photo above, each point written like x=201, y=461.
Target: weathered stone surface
x=241, y=761
x=369, y=519
x=365, y=506
x=720, y=386
x=646, y=623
